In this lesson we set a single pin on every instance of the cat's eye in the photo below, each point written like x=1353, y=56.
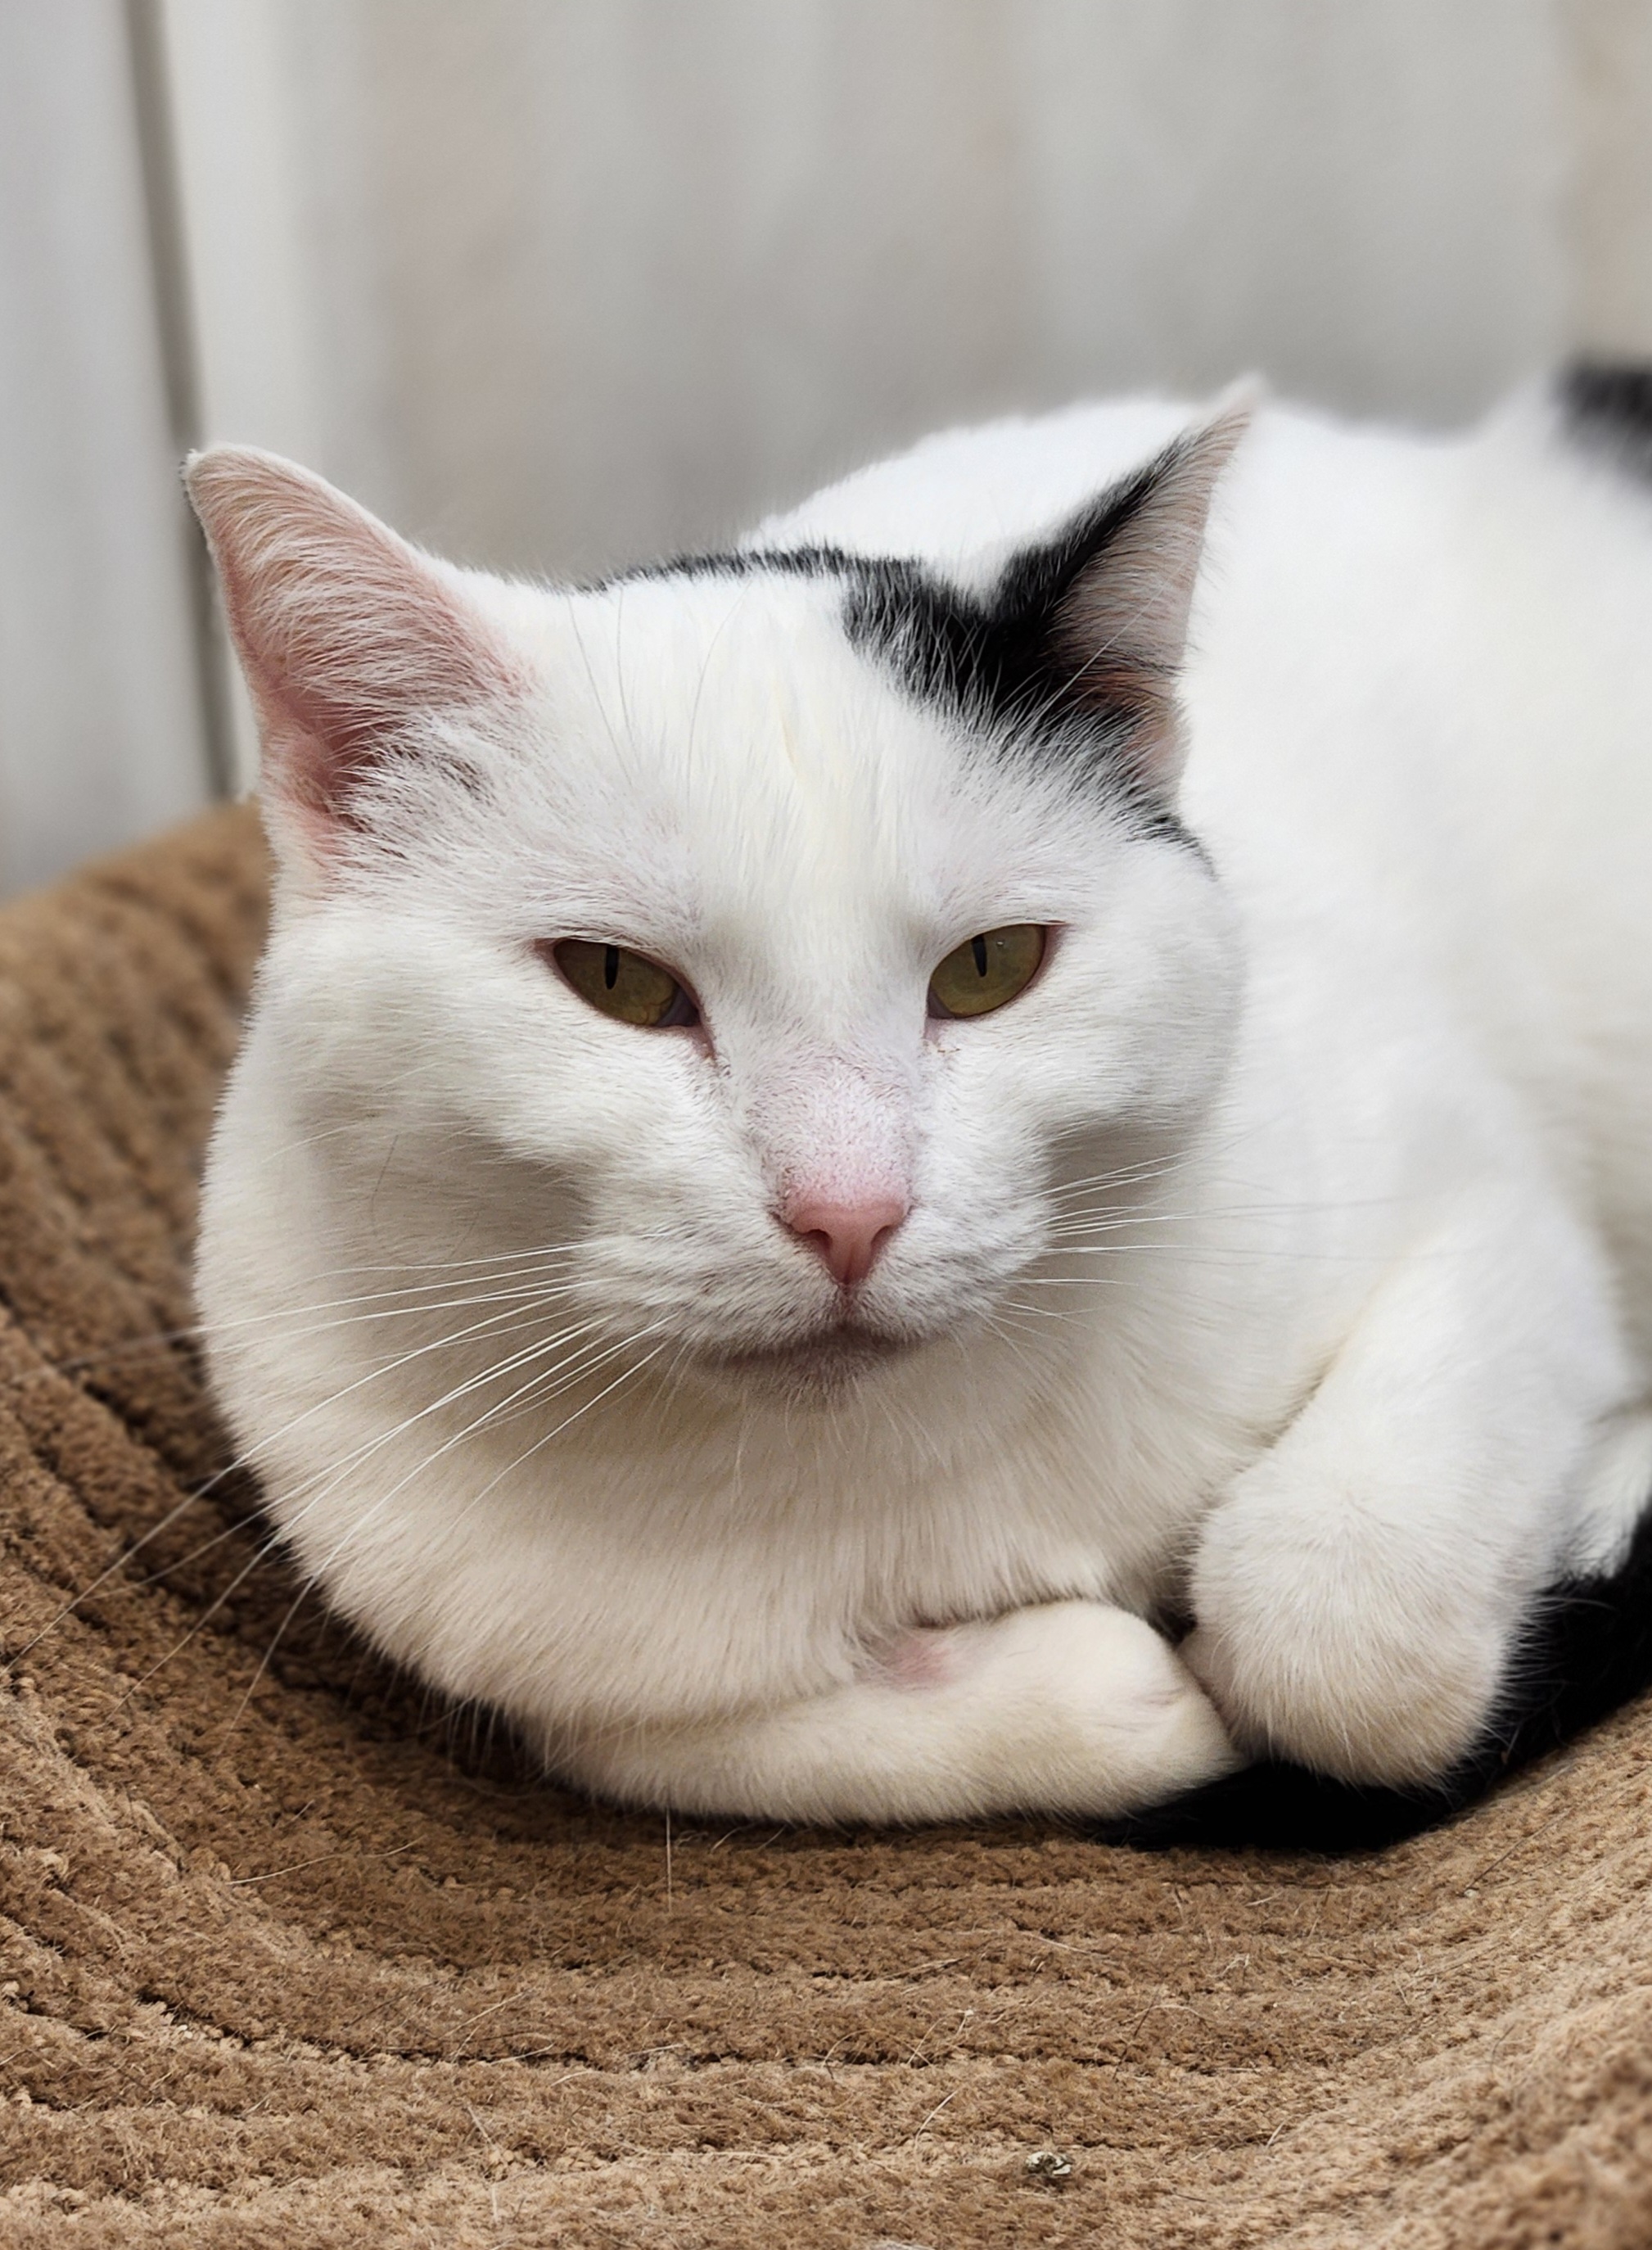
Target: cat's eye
x=985, y=972
x=626, y=985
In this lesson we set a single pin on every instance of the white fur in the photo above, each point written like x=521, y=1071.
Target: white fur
x=1283, y=1254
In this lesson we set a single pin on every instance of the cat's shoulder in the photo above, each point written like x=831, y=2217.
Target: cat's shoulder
x=963, y=490
x=961, y=497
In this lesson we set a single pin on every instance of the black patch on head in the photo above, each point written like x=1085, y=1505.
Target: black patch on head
x=1608, y=405
x=996, y=656
x=995, y=662
x=1588, y=1648
x=744, y=562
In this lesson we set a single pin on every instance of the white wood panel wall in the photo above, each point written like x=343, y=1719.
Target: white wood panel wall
x=556, y=283
x=101, y=733
x=638, y=268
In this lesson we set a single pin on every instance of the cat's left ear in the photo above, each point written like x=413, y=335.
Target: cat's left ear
x=1098, y=616
x=353, y=643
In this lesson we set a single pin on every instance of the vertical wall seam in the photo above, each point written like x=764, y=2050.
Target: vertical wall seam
x=179, y=364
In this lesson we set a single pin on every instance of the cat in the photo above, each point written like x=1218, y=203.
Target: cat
x=986, y=1156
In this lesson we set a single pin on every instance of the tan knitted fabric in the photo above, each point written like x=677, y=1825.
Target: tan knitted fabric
x=290, y=1956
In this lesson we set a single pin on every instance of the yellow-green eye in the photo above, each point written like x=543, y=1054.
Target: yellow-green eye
x=985, y=972
x=625, y=985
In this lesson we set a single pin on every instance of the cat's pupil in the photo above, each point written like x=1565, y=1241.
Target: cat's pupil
x=611, y=966
x=987, y=970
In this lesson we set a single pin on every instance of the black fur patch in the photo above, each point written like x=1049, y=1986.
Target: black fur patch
x=994, y=657
x=748, y=563
x=1608, y=405
x=1588, y=1648
x=992, y=661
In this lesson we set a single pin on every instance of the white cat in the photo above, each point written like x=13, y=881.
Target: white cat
x=831, y=1138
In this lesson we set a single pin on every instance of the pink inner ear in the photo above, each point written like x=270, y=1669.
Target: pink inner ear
x=348, y=635
x=1124, y=624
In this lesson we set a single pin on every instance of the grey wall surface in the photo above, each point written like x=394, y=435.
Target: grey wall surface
x=640, y=269
x=555, y=284
x=100, y=733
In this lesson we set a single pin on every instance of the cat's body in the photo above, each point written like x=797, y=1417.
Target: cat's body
x=803, y=1412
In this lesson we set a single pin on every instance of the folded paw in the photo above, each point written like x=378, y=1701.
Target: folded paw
x=1071, y=1707
x=1076, y=1706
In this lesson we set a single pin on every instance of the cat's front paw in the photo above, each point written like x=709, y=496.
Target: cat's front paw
x=1364, y=1673
x=1080, y=1708
x=1069, y=1707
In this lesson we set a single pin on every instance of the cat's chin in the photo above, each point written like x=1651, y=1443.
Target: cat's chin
x=820, y=1368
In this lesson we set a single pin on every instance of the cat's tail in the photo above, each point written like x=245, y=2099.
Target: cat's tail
x=1589, y=1649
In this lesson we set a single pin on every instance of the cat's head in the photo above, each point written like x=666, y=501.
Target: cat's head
x=756, y=942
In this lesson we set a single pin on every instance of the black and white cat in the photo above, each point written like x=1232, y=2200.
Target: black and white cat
x=839, y=1142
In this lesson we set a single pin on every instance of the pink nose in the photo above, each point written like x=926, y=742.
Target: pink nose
x=847, y=1235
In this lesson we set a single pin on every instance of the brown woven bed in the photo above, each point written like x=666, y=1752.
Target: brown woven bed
x=291, y=1955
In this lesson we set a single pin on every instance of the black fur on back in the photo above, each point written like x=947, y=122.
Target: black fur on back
x=1588, y=1648
x=1608, y=405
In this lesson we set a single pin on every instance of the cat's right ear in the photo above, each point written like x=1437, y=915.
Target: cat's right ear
x=350, y=639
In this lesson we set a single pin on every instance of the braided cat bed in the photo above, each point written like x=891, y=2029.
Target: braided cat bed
x=289, y=1955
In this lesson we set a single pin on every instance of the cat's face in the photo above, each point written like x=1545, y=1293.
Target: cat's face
x=629, y=939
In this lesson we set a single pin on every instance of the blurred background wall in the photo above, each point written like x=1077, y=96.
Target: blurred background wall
x=555, y=283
